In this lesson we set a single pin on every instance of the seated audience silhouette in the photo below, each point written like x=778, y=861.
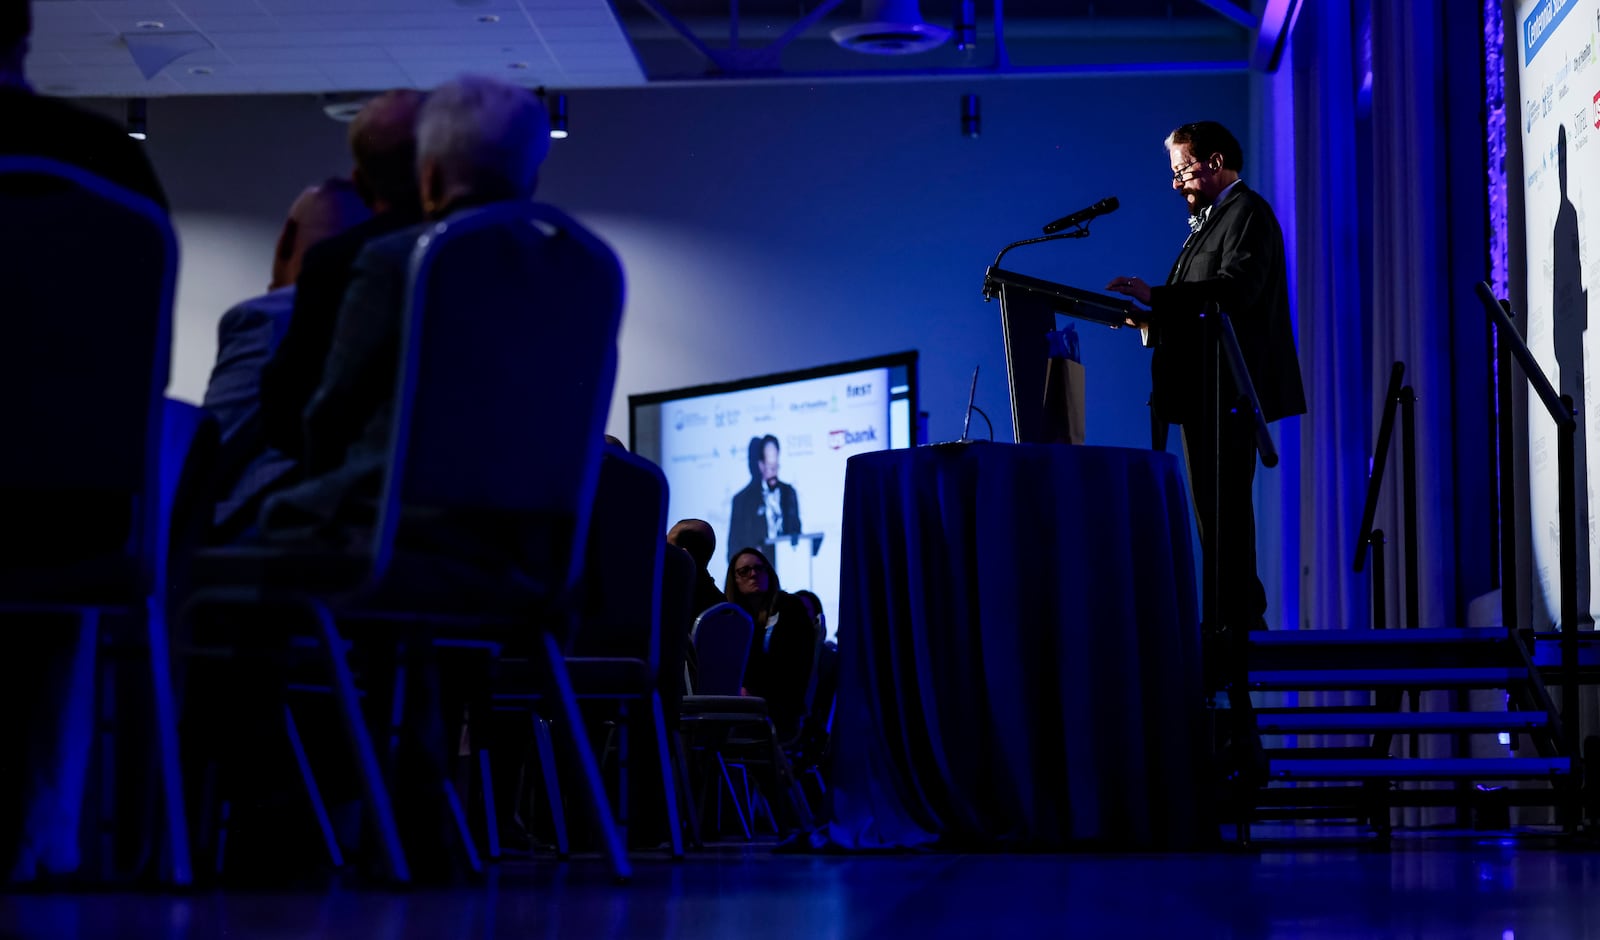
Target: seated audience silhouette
x=478, y=141
x=41, y=126
x=246, y=338
x=696, y=537
x=781, y=651
x=383, y=142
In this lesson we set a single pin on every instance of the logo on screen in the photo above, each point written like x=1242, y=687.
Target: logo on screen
x=1597, y=109
x=838, y=440
x=858, y=391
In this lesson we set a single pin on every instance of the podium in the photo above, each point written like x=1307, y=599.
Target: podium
x=793, y=557
x=1028, y=308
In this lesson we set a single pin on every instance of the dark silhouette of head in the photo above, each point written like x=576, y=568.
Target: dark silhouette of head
x=696, y=537
x=1561, y=156
x=320, y=212
x=383, y=140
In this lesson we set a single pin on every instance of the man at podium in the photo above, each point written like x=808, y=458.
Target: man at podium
x=1233, y=260
x=765, y=509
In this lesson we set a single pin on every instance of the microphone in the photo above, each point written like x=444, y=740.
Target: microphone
x=1108, y=204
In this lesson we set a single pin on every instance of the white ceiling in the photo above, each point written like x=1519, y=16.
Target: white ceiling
x=82, y=47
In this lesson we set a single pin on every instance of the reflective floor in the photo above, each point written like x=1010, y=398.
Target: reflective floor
x=1433, y=887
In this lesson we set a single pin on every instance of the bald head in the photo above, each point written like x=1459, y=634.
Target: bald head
x=383, y=140
x=696, y=537
x=320, y=212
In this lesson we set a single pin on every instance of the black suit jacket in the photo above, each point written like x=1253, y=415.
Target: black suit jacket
x=295, y=370
x=348, y=420
x=747, y=527
x=1237, y=262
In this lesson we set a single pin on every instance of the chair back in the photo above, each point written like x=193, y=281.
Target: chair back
x=722, y=638
x=89, y=274
x=622, y=578
x=509, y=355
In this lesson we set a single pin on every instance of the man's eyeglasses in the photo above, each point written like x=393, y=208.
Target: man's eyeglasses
x=748, y=571
x=1181, y=174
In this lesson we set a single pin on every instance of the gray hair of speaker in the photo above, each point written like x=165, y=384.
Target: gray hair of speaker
x=485, y=134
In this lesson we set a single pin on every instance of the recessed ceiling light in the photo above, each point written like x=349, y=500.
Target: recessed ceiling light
x=200, y=70
x=517, y=65
x=489, y=18
x=151, y=24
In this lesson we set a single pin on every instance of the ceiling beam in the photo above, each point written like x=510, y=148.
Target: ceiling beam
x=1234, y=12
x=1277, y=21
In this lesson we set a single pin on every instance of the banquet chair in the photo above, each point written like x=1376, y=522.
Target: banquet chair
x=484, y=508
x=615, y=654
x=82, y=374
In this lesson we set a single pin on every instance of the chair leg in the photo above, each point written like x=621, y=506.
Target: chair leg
x=624, y=789
x=180, y=873
x=491, y=820
x=586, y=762
x=313, y=792
x=552, y=784
x=733, y=795
x=366, y=756
x=669, y=779
x=681, y=766
x=463, y=831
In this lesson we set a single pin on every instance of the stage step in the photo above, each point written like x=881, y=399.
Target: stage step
x=1469, y=677
x=1454, y=636
x=1440, y=768
x=1310, y=722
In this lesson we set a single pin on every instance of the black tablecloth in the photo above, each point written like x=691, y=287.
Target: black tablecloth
x=1019, y=651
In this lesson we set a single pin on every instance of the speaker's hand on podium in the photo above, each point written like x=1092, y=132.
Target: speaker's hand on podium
x=1134, y=287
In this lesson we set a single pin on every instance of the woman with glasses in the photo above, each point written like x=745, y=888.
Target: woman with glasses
x=781, y=650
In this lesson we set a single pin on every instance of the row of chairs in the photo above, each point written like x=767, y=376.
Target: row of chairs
x=486, y=525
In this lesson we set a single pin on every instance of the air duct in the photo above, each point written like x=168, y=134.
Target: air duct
x=890, y=27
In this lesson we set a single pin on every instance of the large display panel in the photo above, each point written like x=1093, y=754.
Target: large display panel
x=763, y=459
x=1559, y=76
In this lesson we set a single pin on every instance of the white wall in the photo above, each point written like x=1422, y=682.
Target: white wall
x=767, y=228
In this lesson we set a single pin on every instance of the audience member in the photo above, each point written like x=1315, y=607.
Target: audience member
x=40, y=126
x=478, y=141
x=696, y=537
x=384, y=144
x=783, y=647
x=47, y=704
x=246, y=338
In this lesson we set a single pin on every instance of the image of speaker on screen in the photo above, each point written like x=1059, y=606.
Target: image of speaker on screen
x=767, y=508
x=1570, y=316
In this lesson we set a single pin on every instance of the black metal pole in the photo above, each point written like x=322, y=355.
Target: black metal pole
x=1380, y=592
x=1509, y=615
x=1380, y=460
x=1408, y=434
x=1567, y=506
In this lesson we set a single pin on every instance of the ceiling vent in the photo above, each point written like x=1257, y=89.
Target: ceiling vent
x=890, y=27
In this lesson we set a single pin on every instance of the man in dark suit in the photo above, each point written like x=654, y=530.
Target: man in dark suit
x=1232, y=261
x=246, y=337
x=765, y=509
x=383, y=142
x=478, y=141
x=41, y=126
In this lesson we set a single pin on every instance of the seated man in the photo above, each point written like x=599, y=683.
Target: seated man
x=246, y=338
x=40, y=126
x=383, y=141
x=478, y=141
